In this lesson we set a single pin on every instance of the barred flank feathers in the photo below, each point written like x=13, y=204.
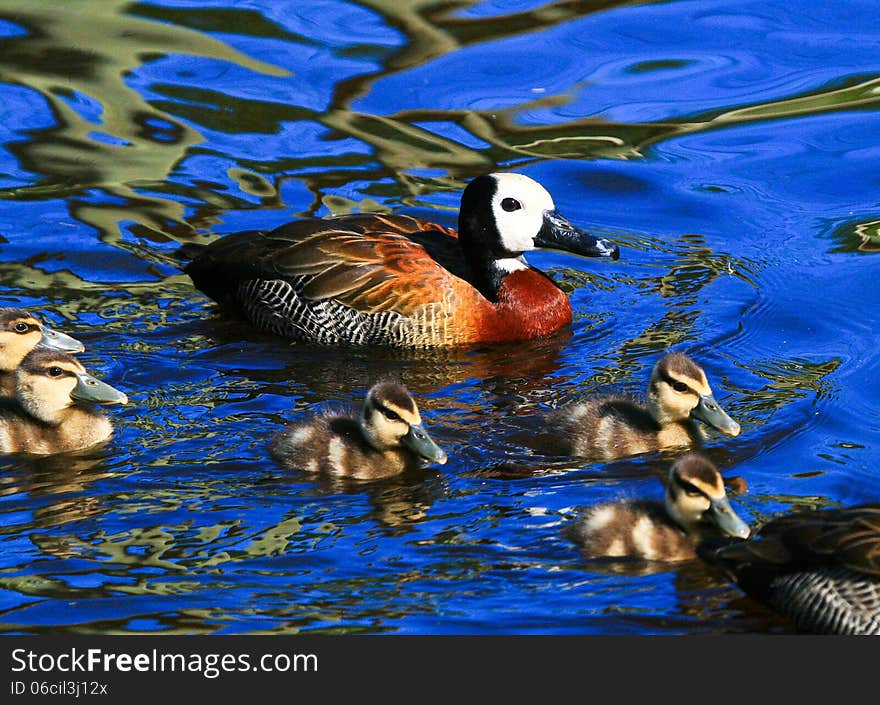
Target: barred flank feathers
x=274, y=305
x=829, y=601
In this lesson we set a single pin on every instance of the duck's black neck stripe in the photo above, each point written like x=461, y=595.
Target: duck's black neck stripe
x=479, y=238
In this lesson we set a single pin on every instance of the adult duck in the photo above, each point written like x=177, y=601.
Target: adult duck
x=372, y=279
x=820, y=568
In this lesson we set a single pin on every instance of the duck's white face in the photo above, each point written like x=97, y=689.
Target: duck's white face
x=505, y=215
x=519, y=206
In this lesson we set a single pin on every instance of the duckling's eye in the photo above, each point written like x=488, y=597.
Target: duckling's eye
x=679, y=386
x=21, y=327
x=511, y=204
x=391, y=415
x=693, y=493
x=55, y=372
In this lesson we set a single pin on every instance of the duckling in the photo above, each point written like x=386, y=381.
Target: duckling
x=610, y=427
x=53, y=410
x=820, y=569
x=387, y=438
x=21, y=332
x=668, y=531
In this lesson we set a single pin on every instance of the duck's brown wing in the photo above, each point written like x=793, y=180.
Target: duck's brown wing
x=311, y=272
x=848, y=537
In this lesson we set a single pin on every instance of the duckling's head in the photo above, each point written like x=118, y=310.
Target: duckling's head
x=21, y=332
x=679, y=390
x=391, y=421
x=50, y=381
x=695, y=495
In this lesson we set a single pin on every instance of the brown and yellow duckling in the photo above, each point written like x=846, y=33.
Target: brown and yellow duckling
x=54, y=408
x=610, y=427
x=820, y=569
x=21, y=332
x=695, y=505
x=385, y=439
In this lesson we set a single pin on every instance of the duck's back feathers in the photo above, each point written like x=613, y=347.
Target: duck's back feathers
x=820, y=569
x=336, y=281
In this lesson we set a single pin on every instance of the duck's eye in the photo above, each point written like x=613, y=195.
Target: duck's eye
x=693, y=493
x=679, y=386
x=511, y=204
x=21, y=327
x=391, y=415
x=55, y=372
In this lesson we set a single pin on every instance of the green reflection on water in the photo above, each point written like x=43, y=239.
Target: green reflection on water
x=121, y=37
x=78, y=47
x=858, y=237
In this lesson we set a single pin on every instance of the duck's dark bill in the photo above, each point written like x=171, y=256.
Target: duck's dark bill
x=557, y=233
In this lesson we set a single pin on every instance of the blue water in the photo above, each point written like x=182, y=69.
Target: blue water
x=729, y=147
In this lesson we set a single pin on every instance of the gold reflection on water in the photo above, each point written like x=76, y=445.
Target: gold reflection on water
x=76, y=48
x=869, y=234
x=859, y=237
x=63, y=479
x=789, y=380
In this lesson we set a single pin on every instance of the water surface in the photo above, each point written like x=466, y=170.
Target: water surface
x=730, y=148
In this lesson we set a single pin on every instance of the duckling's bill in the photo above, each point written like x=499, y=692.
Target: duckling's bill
x=57, y=340
x=420, y=443
x=722, y=515
x=94, y=390
x=709, y=411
